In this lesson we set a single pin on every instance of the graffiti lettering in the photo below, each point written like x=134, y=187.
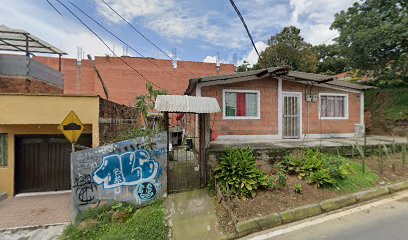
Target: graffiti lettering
x=84, y=187
x=129, y=168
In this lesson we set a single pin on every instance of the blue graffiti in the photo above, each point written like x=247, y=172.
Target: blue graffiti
x=145, y=191
x=129, y=168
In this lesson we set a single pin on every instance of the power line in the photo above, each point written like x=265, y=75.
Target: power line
x=330, y=38
x=245, y=26
x=111, y=33
x=141, y=34
x=54, y=7
x=106, y=45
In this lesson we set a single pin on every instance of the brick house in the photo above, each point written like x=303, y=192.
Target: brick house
x=122, y=82
x=277, y=103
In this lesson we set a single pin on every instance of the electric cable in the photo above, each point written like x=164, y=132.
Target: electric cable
x=83, y=23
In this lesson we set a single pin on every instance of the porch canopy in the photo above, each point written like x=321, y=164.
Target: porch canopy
x=186, y=104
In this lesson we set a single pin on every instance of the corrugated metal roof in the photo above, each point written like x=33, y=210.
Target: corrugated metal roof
x=15, y=40
x=278, y=71
x=340, y=83
x=186, y=104
x=254, y=73
x=310, y=76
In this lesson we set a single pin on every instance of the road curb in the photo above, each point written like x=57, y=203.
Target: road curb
x=273, y=220
x=336, y=203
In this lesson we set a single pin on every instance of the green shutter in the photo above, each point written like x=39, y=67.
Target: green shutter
x=3, y=149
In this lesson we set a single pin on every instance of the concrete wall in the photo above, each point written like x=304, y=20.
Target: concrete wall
x=23, y=66
x=32, y=114
x=131, y=171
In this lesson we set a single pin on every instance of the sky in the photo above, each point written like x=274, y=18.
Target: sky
x=196, y=30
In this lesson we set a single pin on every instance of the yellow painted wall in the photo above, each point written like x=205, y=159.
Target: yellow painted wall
x=22, y=114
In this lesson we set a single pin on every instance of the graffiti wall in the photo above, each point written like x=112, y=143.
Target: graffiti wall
x=131, y=171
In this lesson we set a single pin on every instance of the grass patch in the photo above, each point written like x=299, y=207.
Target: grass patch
x=144, y=223
x=356, y=180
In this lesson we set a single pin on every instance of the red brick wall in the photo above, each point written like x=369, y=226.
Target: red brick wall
x=123, y=83
x=268, y=124
x=22, y=85
x=324, y=126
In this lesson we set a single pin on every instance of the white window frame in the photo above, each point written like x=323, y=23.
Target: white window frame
x=346, y=107
x=241, y=117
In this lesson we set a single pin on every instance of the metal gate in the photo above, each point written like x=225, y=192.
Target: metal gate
x=291, y=115
x=186, y=165
x=43, y=163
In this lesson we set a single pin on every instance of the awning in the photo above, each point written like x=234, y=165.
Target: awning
x=22, y=41
x=186, y=104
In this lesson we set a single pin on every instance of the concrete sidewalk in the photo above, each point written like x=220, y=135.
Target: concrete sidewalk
x=39, y=210
x=191, y=215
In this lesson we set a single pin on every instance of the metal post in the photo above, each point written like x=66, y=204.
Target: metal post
x=59, y=62
x=27, y=49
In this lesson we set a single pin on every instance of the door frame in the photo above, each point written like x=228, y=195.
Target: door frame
x=87, y=138
x=300, y=122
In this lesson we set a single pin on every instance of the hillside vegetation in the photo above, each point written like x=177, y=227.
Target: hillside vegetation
x=389, y=110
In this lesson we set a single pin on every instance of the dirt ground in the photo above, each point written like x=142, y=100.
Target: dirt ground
x=388, y=175
x=273, y=201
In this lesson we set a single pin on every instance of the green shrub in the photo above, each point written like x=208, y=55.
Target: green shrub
x=321, y=178
x=298, y=188
x=237, y=173
x=316, y=168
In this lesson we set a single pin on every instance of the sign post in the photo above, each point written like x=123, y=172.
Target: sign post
x=72, y=128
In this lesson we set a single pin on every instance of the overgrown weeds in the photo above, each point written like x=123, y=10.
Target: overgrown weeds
x=330, y=171
x=120, y=221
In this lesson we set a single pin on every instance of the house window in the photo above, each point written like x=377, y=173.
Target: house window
x=240, y=104
x=3, y=150
x=333, y=106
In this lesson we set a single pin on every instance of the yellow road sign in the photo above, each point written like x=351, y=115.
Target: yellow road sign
x=71, y=127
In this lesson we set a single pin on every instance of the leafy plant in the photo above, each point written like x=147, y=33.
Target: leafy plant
x=145, y=103
x=117, y=206
x=237, y=173
x=321, y=178
x=298, y=188
x=316, y=168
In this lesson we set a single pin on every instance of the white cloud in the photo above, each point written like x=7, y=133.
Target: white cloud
x=314, y=18
x=62, y=32
x=130, y=9
x=252, y=56
x=210, y=59
x=179, y=22
x=213, y=59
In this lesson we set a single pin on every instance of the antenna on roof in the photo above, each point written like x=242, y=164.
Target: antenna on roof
x=79, y=56
x=174, y=58
x=235, y=59
x=218, y=63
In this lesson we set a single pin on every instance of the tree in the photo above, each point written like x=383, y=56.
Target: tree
x=145, y=103
x=288, y=48
x=245, y=66
x=373, y=35
x=331, y=61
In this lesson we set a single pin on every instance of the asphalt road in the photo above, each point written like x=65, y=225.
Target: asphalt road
x=383, y=219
